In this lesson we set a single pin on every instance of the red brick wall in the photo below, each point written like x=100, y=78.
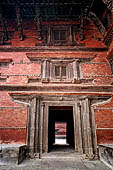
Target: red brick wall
x=18, y=72
x=12, y=119
x=105, y=136
x=13, y=136
x=13, y=116
x=29, y=30
x=104, y=122
x=13, y=124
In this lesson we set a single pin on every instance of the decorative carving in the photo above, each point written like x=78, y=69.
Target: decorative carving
x=38, y=22
x=19, y=23
x=108, y=3
x=109, y=36
x=81, y=26
x=4, y=28
x=98, y=23
x=72, y=69
x=57, y=35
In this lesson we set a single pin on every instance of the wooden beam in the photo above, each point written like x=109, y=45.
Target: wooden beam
x=41, y=3
x=19, y=23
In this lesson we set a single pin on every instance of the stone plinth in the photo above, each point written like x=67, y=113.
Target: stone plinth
x=12, y=153
x=106, y=154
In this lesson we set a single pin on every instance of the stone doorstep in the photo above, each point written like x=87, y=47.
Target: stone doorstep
x=12, y=153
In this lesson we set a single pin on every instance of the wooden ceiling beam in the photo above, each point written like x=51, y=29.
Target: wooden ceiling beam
x=52, y=8
x=41, y=3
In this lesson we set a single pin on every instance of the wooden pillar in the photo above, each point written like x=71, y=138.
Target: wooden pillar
x=41, y=130
x=32, y=116
x=45, y=129
x=94, y=136
x=77, y=129
x=45, y=71
x=37, y=125
x=89, y=135
x=84, y=133
x=79, y=137
x=74, y=120
x=19, y=23
x=33, y=127
x=86, y=128
x=76, y=70
x=28, y=126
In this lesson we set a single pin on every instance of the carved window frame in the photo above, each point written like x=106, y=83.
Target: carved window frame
x=72, y=70
x=60, y=29
x=68, y=31
x=60, y=75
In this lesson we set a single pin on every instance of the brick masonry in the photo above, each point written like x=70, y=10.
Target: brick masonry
x=13, y=116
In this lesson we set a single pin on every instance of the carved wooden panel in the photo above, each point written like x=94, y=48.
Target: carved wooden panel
x=62, y=70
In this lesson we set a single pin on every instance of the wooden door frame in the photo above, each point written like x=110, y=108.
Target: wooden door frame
x=48, y=104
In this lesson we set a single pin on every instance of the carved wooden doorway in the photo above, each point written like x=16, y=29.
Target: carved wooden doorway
x=76, y=112
x=58, y=112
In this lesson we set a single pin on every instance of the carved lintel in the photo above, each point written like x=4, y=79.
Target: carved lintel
x=19, y=23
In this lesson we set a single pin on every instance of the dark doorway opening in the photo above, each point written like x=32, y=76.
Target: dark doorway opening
x=60, y=128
